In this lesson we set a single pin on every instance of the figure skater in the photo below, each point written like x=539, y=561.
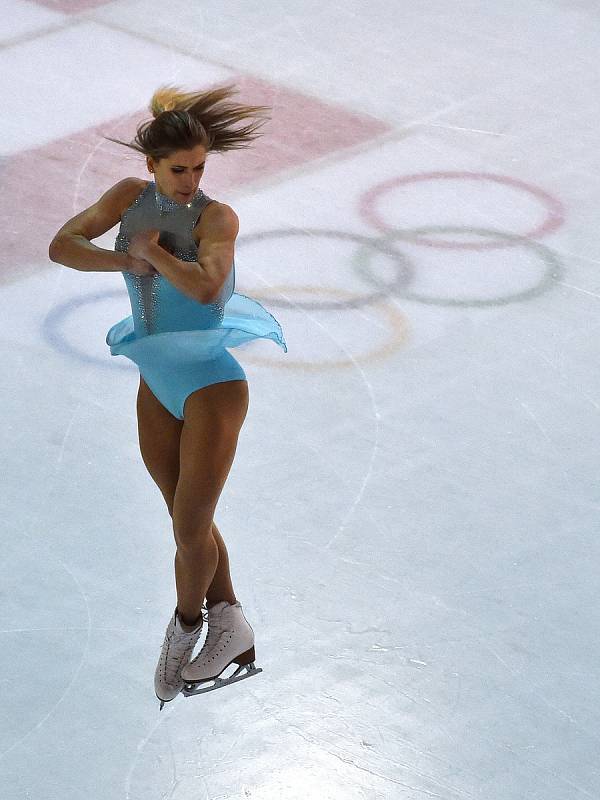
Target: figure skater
x=175, y=249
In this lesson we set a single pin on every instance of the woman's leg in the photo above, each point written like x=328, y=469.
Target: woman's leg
x=159, y=436
x=221, y=587
x=159, y=433
x=213, y=418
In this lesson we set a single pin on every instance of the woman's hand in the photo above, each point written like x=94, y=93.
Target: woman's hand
x=137, y=253
x=138, y=246
x=140, y=267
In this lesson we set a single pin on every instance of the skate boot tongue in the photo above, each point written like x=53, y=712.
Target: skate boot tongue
x=219, y=607
x=178, y=626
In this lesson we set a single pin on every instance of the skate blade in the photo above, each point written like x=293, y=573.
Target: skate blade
x=199, y=687
x=163, y=702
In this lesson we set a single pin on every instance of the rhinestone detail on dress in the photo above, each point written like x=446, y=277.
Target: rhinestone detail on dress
x=219, y=310
x=121, y=242
x=146, y=287
x=185, y=255
x=166, y=204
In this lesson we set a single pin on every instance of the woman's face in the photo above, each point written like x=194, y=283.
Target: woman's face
x=177, y=176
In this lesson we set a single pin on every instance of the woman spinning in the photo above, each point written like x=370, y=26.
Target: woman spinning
x=175, y=249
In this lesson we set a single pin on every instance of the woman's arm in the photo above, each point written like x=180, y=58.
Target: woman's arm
x=187, y=276
x=72, y=246
x=202, y=279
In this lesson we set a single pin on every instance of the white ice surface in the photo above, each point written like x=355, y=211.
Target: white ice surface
x=412, y=513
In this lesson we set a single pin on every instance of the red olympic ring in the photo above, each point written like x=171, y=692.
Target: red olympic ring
x=554, y=218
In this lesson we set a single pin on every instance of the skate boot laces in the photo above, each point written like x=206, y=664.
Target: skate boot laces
x=217, y=625
x=177, y=649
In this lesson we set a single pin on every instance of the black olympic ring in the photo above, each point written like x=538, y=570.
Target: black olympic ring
x=404, y=276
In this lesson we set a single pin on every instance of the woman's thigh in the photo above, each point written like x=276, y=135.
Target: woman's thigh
x=159, y=435
x=213, y=419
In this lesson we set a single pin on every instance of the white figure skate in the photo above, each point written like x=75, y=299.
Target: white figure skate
x=230, y=640
x=176, y=652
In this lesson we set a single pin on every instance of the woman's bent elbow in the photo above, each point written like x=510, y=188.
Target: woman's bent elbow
x=54, y=251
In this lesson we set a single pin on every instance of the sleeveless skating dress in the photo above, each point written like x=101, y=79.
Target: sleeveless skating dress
x=179, y=344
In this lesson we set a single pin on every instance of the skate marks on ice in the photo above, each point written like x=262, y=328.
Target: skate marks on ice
x=350, y=771
x=11, y=582
x=412, y=744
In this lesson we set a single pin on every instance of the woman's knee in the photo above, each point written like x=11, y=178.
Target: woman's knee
x=192, y=521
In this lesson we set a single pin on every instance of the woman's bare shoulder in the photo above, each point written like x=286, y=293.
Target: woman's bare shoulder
x=106, y=212
x=119, y=197
x=130, y=188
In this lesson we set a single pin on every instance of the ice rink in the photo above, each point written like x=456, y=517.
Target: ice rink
x=411, y=516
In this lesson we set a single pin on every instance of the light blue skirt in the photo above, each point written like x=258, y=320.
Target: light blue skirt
x=176, y=363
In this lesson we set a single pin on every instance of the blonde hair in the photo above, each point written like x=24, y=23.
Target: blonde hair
x=182, y=120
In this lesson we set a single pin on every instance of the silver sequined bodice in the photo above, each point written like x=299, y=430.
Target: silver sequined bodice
x=157, y=305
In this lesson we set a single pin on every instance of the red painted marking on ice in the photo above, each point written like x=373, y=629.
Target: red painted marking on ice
x=44, y=187
x=301, y=129
x=71, y=6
